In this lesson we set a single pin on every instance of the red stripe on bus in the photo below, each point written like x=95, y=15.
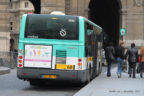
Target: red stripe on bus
x=37, y=60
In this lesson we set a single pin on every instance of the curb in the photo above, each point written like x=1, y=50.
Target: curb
x=4, y=70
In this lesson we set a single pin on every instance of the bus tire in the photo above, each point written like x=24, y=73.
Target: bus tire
x=100, y=68
x=141, y=74
x=91, y=72
x=97, y=70
x=32, y=83
x=36, y=83
x=89, y=76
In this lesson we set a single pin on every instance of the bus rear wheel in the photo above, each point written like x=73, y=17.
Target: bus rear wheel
x=89, y=78
x=100, y=68
x=141, y=74
x=36, y=83
x=33, y=83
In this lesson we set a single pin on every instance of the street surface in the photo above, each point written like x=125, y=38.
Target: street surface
x=10, y=85
x=114, y=86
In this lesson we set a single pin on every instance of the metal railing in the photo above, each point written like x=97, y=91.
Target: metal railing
x=8, y=59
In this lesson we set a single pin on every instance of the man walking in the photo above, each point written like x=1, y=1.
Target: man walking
x=132, y=54
x=109, y=56
x=120, y=56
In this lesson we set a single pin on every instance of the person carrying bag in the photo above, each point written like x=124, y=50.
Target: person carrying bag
x=120, y=58
x=138, y=66
x=141, y=65
x=110, y=53
x=132, y=54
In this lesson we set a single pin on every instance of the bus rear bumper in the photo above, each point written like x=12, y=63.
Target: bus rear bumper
x=61, y=75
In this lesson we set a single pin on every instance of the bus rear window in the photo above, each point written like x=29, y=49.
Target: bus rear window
x=52, y=27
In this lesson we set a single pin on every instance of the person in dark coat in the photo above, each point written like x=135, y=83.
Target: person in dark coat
x=120, y=57
x=142, y=62
x=132, y=54
x=109, y=51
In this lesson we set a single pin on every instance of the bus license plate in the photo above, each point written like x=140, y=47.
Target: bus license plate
x=49, y=76
x=62, y=66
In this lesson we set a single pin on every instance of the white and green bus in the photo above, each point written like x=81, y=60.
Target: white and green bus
x=58, y=48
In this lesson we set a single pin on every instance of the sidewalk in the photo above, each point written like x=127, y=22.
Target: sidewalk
x=114, y=86
x=4, y=70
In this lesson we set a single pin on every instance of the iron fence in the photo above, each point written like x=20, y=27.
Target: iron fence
x=8, y=59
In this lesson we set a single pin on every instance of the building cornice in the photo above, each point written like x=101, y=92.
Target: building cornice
x=14, y=33
x=15, y=1
x=20, y=9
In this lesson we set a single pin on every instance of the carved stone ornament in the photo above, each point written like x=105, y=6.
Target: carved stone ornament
x=138, y=3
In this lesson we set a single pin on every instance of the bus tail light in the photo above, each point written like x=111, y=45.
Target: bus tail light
x=20, y=65
x=79, y=62
x=20, y=58
x=20, y=62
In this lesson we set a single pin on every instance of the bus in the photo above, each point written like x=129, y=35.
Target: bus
x=58, y=48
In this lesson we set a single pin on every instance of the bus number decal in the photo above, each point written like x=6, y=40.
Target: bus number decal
x=71, y=20
x=62, y=66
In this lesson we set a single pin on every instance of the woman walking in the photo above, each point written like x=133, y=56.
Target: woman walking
x=142, y=62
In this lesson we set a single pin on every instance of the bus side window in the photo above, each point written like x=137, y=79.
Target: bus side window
x=86, y=41
x=89, y=33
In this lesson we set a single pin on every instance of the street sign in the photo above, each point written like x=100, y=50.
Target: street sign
x=122, y=31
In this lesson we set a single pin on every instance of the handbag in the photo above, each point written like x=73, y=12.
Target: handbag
x=124, y=66
x=111, y=57
x=138, y=68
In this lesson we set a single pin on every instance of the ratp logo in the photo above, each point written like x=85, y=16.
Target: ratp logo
x=63, y=32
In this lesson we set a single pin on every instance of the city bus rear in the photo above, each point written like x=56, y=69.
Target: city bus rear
x=51, y=50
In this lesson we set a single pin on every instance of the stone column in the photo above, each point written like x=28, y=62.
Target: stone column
x=4, y=26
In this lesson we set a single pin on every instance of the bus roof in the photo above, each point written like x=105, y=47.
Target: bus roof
x=49, y=14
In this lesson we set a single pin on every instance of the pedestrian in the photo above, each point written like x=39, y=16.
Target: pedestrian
x=132, y=54
x=142, y=61
x=103, y=57
x=120, y=57
x=110, y=52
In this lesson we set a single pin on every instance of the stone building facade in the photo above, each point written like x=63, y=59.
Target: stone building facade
x=10, y=16
x=132, y=17
x=132, y=13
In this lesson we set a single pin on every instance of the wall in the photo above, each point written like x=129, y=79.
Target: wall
x=133, y=21
x=132, y=17
x=4, y=26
